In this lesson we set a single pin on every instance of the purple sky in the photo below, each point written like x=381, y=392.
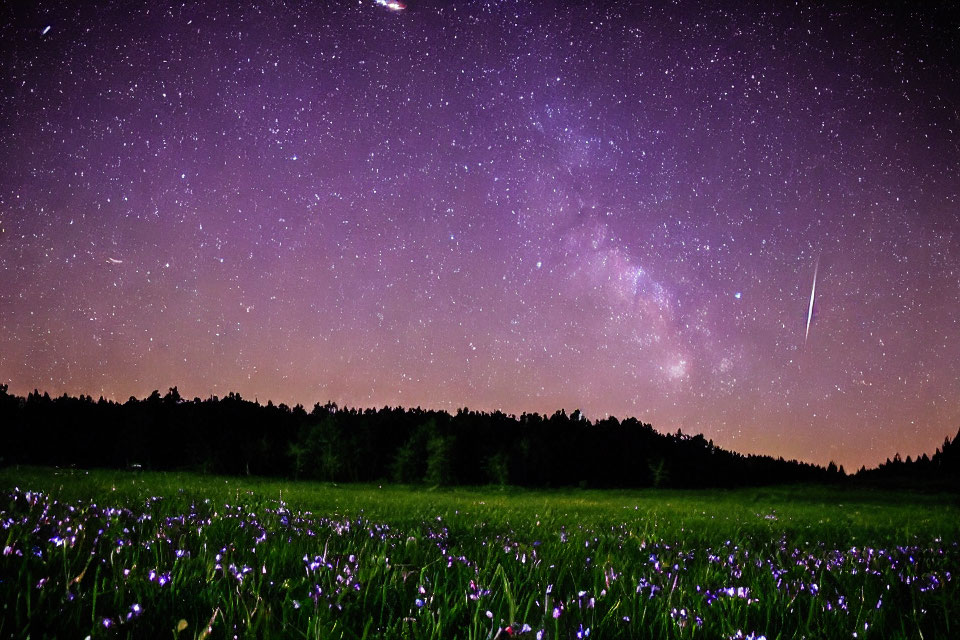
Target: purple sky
x=503, y=205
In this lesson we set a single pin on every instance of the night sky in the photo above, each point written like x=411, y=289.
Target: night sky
x=501, y=205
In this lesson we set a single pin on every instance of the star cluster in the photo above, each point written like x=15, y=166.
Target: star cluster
x=617, y=207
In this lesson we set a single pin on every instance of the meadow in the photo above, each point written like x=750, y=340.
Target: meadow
x=109, y=554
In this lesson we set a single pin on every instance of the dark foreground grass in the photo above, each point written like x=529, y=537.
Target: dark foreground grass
x=110, y=554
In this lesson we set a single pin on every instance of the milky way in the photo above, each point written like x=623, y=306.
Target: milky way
x=500, y=205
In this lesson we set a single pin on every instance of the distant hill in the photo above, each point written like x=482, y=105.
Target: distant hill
x=236, y=436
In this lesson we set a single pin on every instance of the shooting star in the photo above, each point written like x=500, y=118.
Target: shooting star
x=393, y=5
x=813, y=294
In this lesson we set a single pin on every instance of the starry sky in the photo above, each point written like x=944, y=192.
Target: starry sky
x=617, y=207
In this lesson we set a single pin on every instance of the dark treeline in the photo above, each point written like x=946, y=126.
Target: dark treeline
x=941, y=470
x=235, y=436
x=232, y=435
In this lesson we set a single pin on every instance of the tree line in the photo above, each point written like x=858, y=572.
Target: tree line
x=939, y=471
x=232, y=435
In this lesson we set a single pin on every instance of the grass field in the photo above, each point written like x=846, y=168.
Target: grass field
x=113, y=554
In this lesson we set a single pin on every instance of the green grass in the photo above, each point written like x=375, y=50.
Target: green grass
x=113, y=554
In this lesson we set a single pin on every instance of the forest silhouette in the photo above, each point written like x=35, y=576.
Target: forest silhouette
x=235, y=436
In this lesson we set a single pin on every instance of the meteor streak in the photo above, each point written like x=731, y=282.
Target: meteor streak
x=813, y=294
